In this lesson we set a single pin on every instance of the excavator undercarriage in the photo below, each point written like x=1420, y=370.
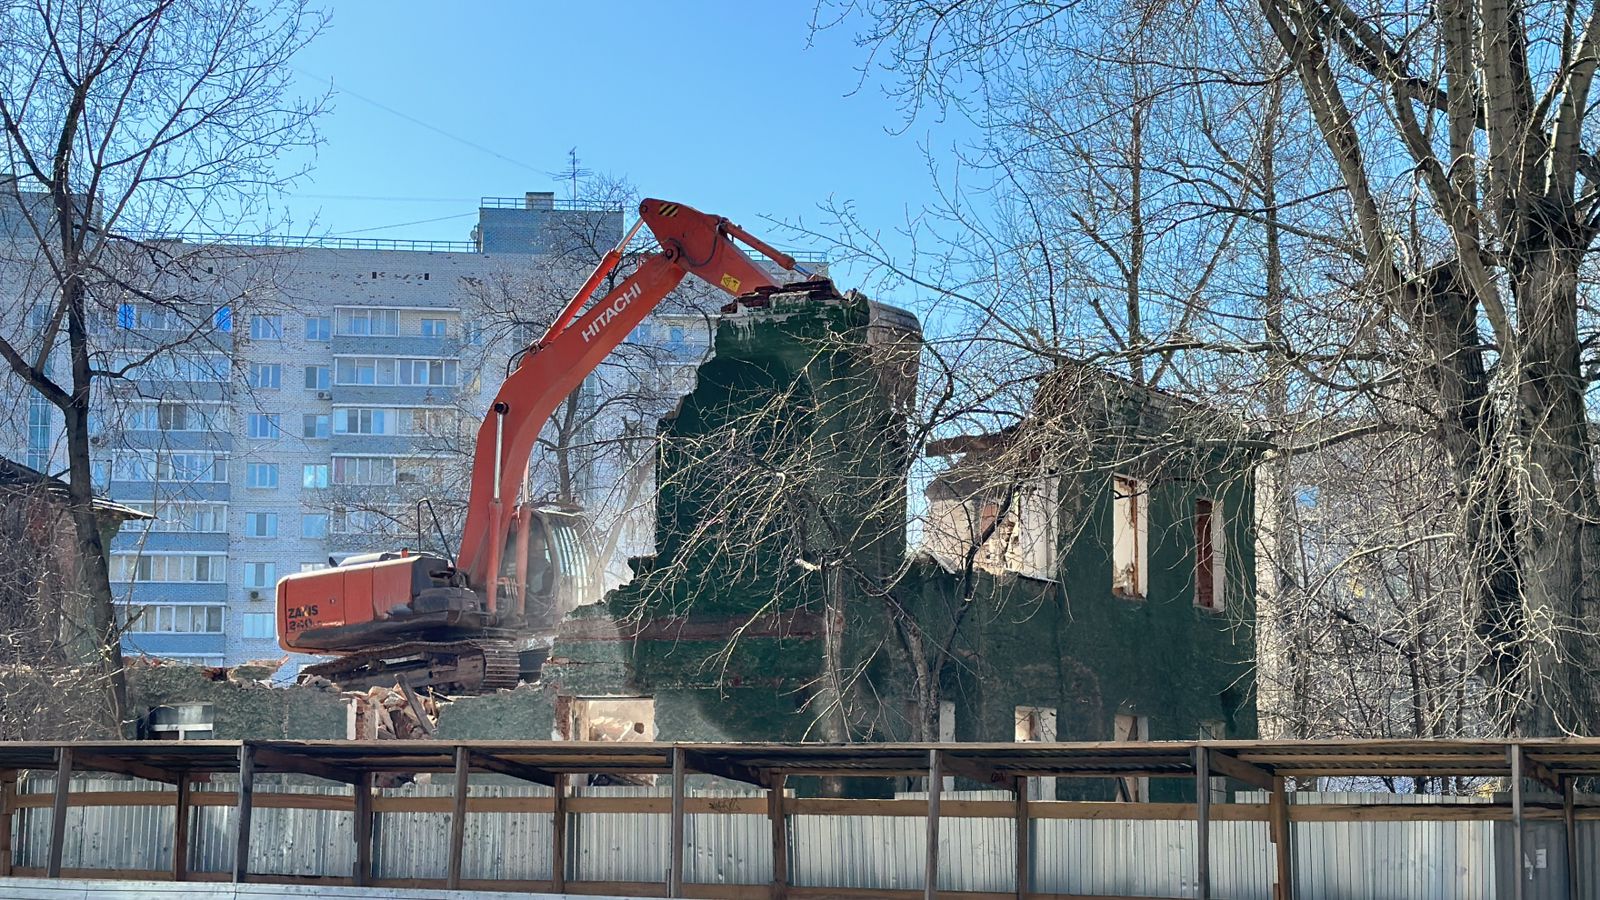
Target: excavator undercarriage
x=474, y=666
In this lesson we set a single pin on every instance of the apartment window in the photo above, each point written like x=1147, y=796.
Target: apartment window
x=178, y=417
x=314, y=525
x=427, y=371
x=433, y=328
x=263, y=425
x=1210, y=572
x=1131, y=727
x=223, y=318
x=169, y=467
x=181, y=722
x=149, y=318
x=314, y=425
x=318, y=328
x=361, y=322
x=162, y=618
x=361, y=521
x=266, y=375
x=418, y=471
x=364, y=370
x=200, y=518
x=363, y=421
x=1130, y=537
x=261, y=525
x=160, y=417
x=38, y=431
x=169, y=567
x=192, y=467
x=313, y=567
x=260, y=626
x=260, y=575
x=363, y=470
x=172, y=367
x=317, y=378
x=266, y=328
x=261, y=475
x=428, y=421
x=315, y=475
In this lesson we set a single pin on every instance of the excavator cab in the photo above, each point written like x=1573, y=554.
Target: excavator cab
x=550, y=565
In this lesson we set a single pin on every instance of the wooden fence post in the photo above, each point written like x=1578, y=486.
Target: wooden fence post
x=1024, y=852
x=930, y=888
x=675, y=849
x=362, y=791
x=247, y=785
x=458, y=818
x=780, y=838
x=180, y=830
x=558, y=836
x=58, y=824
x=1202, y=805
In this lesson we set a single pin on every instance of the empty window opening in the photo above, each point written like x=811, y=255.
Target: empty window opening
x=615, y=719
x=1131, y=727
x=1037, y=724
x=1209, y=570
x=1130, y=537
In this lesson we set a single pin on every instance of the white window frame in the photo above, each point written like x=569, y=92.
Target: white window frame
x=260, y=524
x=1130, y=537
x=268, y=571
x=258, y=633
x=266, y=376
x=266, y=328
x=250, y=475
x=1219, y=557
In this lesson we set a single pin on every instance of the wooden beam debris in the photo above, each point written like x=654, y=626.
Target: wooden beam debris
x=1224, y=763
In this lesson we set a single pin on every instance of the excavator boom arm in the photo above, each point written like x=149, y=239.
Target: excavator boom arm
x=575, y=344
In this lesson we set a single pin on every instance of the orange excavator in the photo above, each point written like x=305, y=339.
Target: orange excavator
x=463, y=624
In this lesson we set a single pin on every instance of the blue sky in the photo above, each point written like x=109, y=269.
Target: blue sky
x=731, y=107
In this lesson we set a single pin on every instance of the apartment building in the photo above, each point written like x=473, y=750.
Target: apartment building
x=313, y=420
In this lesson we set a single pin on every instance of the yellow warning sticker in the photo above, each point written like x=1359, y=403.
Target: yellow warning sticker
x=731, y=283
x=667, y=209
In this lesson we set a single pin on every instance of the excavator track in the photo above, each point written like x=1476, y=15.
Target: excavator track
x=462, y=667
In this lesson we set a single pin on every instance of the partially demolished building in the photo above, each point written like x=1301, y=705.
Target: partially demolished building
x=1085, y=574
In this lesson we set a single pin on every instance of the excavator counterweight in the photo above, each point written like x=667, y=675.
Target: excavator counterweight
x=462, y=623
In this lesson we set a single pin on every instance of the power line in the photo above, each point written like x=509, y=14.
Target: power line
x=403, y=224
x=416, y=121
x=300, y=196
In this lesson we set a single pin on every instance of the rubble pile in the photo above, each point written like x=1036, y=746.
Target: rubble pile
x=392, y=713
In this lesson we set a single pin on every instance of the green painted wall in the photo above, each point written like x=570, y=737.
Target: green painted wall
x=241, y=710
x=1073, y=646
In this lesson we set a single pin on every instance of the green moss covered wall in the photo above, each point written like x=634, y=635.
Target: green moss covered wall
x=730, y=646
x=241, y=710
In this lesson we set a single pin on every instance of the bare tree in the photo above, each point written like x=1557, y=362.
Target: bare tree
x=120, y=120
x=1415, y=189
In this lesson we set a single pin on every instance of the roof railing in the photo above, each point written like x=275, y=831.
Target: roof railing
x=544, y=201
x=301, y=241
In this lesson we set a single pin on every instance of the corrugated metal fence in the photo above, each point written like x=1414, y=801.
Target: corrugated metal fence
x=1366, y=860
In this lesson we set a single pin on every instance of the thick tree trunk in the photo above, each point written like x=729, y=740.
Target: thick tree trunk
x=95, y=640
x=1557, y=509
